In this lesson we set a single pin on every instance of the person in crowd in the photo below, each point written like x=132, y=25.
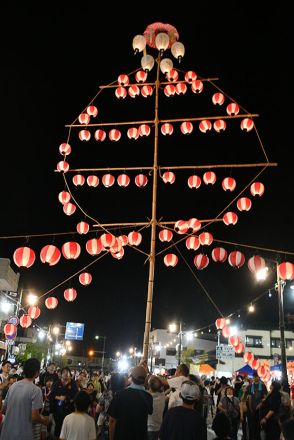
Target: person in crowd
x=285, y=408
x=62, y=399
x=155, y=388
x=93, y=399
x=82, y=381
x=46, y=391
x=229, y=404
x=79, y=425
x=288, y=429
x=23, y=404
x=243, y=399
x=5, y=371
x=238, y=383
x=183, y=422
x=269, y=411
x=220, y=390
x=211, y=387
x=129, y=409
x=221, y=425
x=175, y=383
x=96, y=380
x=12, y=378
x=49, y=371
x=256, y=393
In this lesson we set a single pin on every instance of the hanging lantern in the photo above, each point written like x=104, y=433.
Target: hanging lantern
x=114, y=135
x=170, y=260
x=85, y=278
x=167, y=129
x=144, y=130
x=220, y=323
x=123, y=239
x=166, y=65
x=201, y=261
x=229, y=184
x=233, y=109
x=226, y=331
x=34, y=312
x=218, y=99
x=118, y=255
x=267, y=377
x=134, y=238
x=205, y=125
x=169, y=90
x=100, y=135
x=262, y=371
x=50, y=254
x=51, y=302
x=286, y=271
x=123, y=80
x=219, y=255
x=92, y=111
x=236, y=259
x=205, y=238
x=120, y=93
x=78, y=180
x=254, y=364
x=25, y=321
x=107, y=240
x=172, y=75
x=62, y=166
x=168, y=177
x=239, y=348
x=141, y=180
x=70, y=294
x=194, y=181
x=147, y=63
x=234, y=341
x=83, y=228
x=133, y=133
x=24, y=257
x=165, y=235
x=192, y=243
x=9, y=329
x=93, y=181
x=230, y=218
x=133, y=91
x=123, y=180
x=181, y=88
x=247, y=124
x=108, y=180
x=71, y=250
x=84, y=118
x=116, y=248
x=257, y=189
x=139, y=43
x=256, y=263
x=244, y=204
x=64, y=197
x=162, y=41
x=248, y=357
x=181, y=226
x=186, y=127
x=190, y=76
x=64, y=149
x=197, y=86
x=84, y=135
x=69, y=208
x=194, y=225
x=219, y=125
x=141, y=76
x=94, y=246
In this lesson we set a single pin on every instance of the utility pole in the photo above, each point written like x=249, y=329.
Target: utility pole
x=280, y=286
x=180, y=344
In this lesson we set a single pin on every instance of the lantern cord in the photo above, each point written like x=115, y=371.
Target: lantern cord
x=277, y=251
x=200, y=283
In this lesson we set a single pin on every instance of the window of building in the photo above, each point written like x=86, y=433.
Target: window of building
x=171, y=351
x=290, y=343
x=160, y=361
x=254, y=341
x=276, y=342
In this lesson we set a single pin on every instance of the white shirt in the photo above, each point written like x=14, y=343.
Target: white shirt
x=175, y=382
x=78, y=426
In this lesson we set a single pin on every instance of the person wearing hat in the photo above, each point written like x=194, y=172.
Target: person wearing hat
x=183, y=422
x=129, y=409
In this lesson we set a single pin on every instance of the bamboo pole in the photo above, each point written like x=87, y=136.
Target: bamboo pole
x=111, y=86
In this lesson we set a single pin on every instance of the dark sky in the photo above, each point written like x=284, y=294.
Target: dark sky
x=52, y=64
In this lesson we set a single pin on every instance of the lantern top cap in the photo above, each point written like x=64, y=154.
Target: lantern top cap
x=155, y=28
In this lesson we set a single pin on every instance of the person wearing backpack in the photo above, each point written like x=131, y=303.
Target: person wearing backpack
x=230, y=405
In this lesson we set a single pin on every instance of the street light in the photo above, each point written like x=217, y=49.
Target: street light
x=173, y=329
x=56, y=330
x=32, y=299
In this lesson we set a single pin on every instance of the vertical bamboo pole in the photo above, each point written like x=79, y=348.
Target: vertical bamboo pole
x=153, y=225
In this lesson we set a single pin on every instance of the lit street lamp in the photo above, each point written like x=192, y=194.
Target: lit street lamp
x=173, y=329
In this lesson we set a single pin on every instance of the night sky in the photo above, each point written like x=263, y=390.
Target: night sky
x=53, y=62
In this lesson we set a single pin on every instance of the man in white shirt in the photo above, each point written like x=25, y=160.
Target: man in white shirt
x=175, y=384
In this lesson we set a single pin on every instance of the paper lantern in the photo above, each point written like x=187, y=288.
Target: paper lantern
x=205, y=238
x=194, y=225
x=218, y=99
x=247, y=124
x=286, y=271
x=9, y=329
x=78, y=180
x=94, y=246
x=220, y=323
x=254, y=364
x=257, y=189
x=84, y=118
x=118, y=255
x=51, y=302
x=248, y=357
x=234, y=340
x=120, y=92
x=70, y=294
x=233, y=109
x=167, y=129
x=230, y=218
x=123, y=180
x=134, y=238
x=123, y=80
x=144, y=130
x=25, y=321
x=244, y=204
x=64, y=197
x=190, y=76
x=133, y=91
x=93, y=181
x=107, y=240
x=226, y=331
x=240, y=348
x=133, y=133
x=84, y=135
x=146, y=91
x=169, y=90
x=209, y=178
x=141, y=76
x=24, y=257
x=165, y=235
x=181, y=89
x=205, y=126
x=219, y=125
x=219, y=255
x=236, y=259
x=192, y=243
x=34, y=312
x=50, y=254
x=69, y=208
x=197, y=86
x=170, y=260
x=92, y=111
x=100, y=135
x=256, y=263
x=64, y=149
x=186, y=127
x=168, y=177
x=114, y=135
x=71, y=250
x=62, y=166
x=83, y=228
x=172, y=75
x=229, y=184
x=262, y=371
x=116, y=248
x=141, y=180
x=201, y=261
x=85, y=278
x=181, y=226
x=194, y=182
x=123, y=239
x=108, y=180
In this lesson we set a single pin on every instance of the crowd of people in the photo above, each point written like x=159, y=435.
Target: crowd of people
x=60, y=404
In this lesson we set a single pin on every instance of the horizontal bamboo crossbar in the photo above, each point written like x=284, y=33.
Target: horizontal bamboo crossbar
x=111, y=86
x=169, y=222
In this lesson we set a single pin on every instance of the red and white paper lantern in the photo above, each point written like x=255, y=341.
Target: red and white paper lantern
x=93, y=181
x=64, y=149
x=123, y=80
x=92, y=111
x=226, y=331
x=24, y=257
x=170, y=260
x=133, y=133
x=190, y=76
x=262, y=370
x=84, y=135
x=83, y=228
x=247, y=124
x=114, y=135
x=94, y=246
x=239, y=348
x=230, y=218
x=205, y=238
x=78, y=180
x=25, y=321
x=256, y=263
x=181, y=226
x=34, y=312
x=70, y=294
x=257, y=189
x=120, y=92
x=229, y=184
x=234, y=340
x=201, y=261
x=219, y=125
x=146, y=91
x=168, y=177
x=123, y=180
x=141, y=76
x=134, y=238
x=100, y=135
x=107, y=240
x=123, y=239
x=209, y=178
x=50, y=254
x=186, y=127
x=248, y=357
x=220, y=323
x=219, y=255
x=108, y=180
x=197, y=86
x=236, y=259
x=71, y=250
x=286, y=270
x=141, y=180
x=64, y=197
x=205, y=126
x=254, y=364
x=244, y=204
x=167, y=129
x=169, y=90
x=172, y=75
x=133, y=91
x=233, y=109
x=62, y=166
x=69, y=208
x=9, y=329
x=218, y=99
x=118, y=255
x=194, y=181
x=192, y=243
x=51, y=302
x=165, y=235
x=144, y=130
x=181, y=89
x=194, y=225
x=85, y=278
x=84, y=118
